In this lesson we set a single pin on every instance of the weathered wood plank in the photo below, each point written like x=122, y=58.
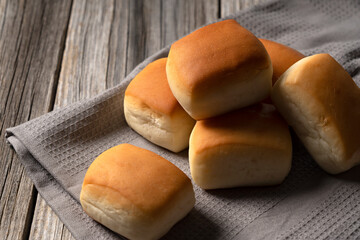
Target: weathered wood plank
x=31, y=44
x=106, y=40
x=144, y=31
x=117, y=47
x=48, y=224
x=233, y=6
x=182, y=17
x=84, y=64
x=83, y=74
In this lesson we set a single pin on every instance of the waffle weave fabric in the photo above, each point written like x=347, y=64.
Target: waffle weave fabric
x=57, y=148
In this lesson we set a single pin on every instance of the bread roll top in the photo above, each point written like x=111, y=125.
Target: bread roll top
x=282, y=57
x=208, y=55
x=151, y=87
x=334, y=94
x=142, y=177
x=258, y=125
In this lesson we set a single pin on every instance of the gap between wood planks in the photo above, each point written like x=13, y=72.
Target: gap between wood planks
x=29, y=52
x=51, y=107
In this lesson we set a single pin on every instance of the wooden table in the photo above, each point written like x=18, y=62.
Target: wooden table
x=56, y=52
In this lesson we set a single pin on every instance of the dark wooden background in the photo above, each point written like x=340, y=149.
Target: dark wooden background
x=56, y=52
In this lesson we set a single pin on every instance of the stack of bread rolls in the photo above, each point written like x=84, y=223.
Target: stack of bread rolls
x=212, y=94
x=216, y=73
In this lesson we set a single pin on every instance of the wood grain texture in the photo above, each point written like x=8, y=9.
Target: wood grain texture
x=48, y=225
x=105, y=41
x=182, y=17
x=83, y=74
x=84, y=65
x=117, y=44
x=233, y=6
x=31, y=41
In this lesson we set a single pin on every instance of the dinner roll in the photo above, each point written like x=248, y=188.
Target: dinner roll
x=282, y=57
x=246, y=147
x=218, y=68
x=319, y=99
x=135, y=192
x=151, y=109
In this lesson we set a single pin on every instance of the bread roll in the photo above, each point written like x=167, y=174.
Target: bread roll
x=152, y=110
x=321, y=102
x=218, y=68
x=282, y=57
x=246, y=147
x=135, y=192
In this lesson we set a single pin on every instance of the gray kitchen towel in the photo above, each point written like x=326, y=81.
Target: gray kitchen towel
x=58, y=147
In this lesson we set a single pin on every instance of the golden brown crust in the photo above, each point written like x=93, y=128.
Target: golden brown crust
x=282, y=57
x=141, y=177
x=258, y=125
x=151, y=88
x=328, y=84
x=200, y=62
